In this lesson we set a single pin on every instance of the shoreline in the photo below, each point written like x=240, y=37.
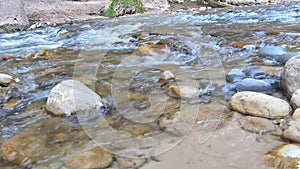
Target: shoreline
x=43, y=13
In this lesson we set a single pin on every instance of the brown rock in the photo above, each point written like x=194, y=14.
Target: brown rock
x=184, y=91
x=150, y=50
x=290, y=79
x=258, y=104
x=24, y=148
x=95, y=157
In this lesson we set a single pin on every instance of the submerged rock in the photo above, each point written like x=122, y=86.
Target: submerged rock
x=95, y=157
x=235, y=75
x=70, y=97
x=258, y=104
x=257, y=124
x=184, y=91
x=290, y=79
x=254, y=85
x=25, y=148
x=130, y=163
x=295, y=100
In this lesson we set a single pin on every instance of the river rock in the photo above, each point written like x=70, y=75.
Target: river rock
x=167, y=75
x=259, y=104
x=184, y=91
x=292, y=133
x=70, y=97
x=5, y=79
x=254, y=85
x=286, y=156
x=235, y=75
x=257, y=124
x=277, y=53
x=296, y=115
x=256, y=74
x=295, y=100
x=271, y=50
x=12, y=16
x=130, y=163
x=229, y=90
x=290, y=79
x=95, y=157
x=25, y=148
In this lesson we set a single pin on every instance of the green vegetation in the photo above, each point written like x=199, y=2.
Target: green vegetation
x=128, y=5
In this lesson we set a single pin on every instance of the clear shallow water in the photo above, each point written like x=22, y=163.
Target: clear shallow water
x=198, y=47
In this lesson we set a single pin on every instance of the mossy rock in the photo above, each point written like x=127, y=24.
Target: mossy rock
x=122, y=7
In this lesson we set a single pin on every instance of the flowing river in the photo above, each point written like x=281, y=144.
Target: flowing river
x=122, y=60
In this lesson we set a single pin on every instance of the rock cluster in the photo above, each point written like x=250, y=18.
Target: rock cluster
x=258, y=105
x=249, y=80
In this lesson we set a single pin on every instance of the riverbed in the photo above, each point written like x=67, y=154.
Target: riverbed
x=122, y=60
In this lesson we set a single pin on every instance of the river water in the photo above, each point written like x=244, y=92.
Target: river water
x=122, y=60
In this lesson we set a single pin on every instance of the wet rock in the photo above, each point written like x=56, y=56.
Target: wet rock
x=286, y=156
x=296, y=115
x=271, y=50
x=95, y=157
x=277, y=53
x=295, y=100
x=24, y=148
x=30, y=56
x=130, y=163
x=273, y=82
x=70, y=97
x=254, y=85
x=12, y=16
x=290, y=79
x=257, y=124
x=235, y=75
x=258, y=104
x=184, y=91
x=42, y=24
x=5, y=79
x=229, y=90
x=256, y=74
x=284, y=58
x=292, y=133
x=150, y=50
x=167, y=75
